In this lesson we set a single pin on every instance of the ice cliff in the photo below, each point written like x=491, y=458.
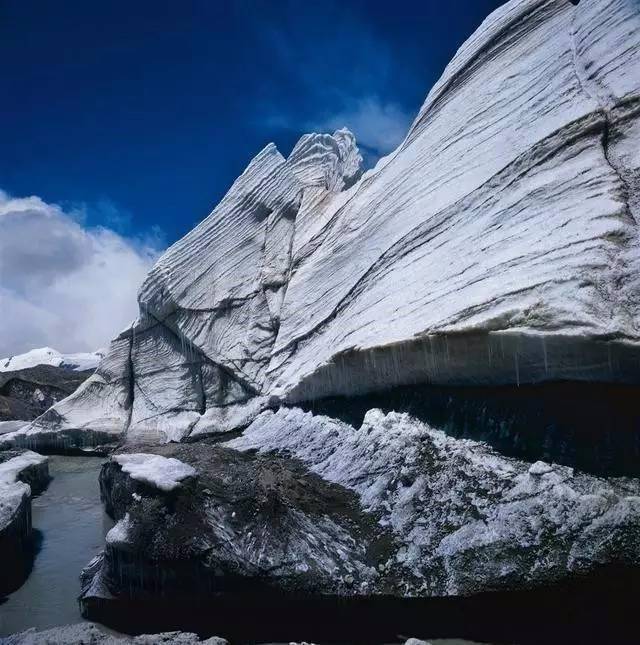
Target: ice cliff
x=339, y=322
x=497, y=245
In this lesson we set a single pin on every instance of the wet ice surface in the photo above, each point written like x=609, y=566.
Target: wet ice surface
x=71, y=525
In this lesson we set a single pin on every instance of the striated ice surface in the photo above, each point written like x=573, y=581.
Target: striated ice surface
x=503, y=222
x=497, y=245
x=157, y=471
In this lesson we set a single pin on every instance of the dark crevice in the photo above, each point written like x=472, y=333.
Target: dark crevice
x=589, y=610
x=594, y=89
x=131, y=385
x=594, y=427
x=203, y=391
x=626, y=191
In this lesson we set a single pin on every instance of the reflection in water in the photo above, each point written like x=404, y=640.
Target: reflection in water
x=70, y=527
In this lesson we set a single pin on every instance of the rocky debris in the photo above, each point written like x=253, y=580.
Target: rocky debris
x=22, y=474
x=90, y=634
x=26, y=393
x=310, y=504
x=325, y=519
x=245, y=523
x=439, y=641
x=465, y=519
x=508, y=216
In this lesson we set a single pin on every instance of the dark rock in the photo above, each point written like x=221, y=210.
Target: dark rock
x=247, y=523
x=26, y=394
x=22, y=474
x=381, y=525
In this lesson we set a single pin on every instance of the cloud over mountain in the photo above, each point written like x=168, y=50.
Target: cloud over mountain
x=62, y=283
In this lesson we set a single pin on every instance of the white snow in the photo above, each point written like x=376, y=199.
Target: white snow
x=120, y=531
x=49, y=356
x=13, y=491
x=164, y=473
x=10, y=469
x=540, y=468
x=12, y=426
x=446, y=499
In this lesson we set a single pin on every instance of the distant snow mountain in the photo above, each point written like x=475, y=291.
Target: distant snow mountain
x=49, y=356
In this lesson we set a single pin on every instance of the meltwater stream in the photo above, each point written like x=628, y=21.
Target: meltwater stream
x=69, y=525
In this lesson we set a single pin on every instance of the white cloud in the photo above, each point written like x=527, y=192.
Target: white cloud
x=62, y=284
x=348, y=76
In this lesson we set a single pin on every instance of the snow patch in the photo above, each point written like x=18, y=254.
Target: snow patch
x=10, y=469
x=163, y=473
x=12, y=426
x=12, y=490
x=120, y=532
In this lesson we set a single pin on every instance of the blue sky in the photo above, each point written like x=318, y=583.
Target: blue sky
x=137, y=116
x=152, y=109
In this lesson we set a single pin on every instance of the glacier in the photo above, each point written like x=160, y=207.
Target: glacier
x=498, y=244
x=495, y=252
